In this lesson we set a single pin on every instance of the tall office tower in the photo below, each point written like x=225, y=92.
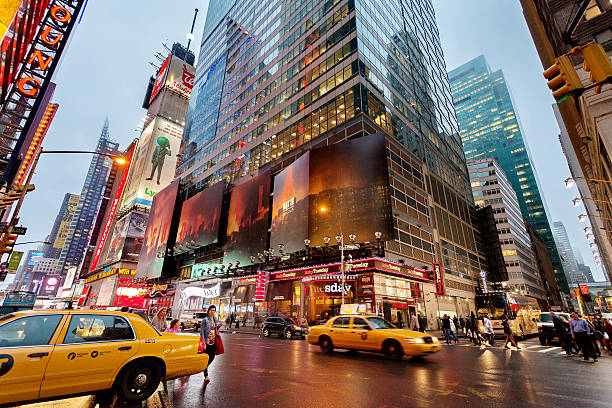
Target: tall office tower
x=490, y=186
x=277, y=80
x=91, y=196
x=585, y=269
x=490, y=128
x=57, y=238
x=570, y=265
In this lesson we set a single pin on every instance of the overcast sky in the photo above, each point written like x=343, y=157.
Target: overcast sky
x=106, y=68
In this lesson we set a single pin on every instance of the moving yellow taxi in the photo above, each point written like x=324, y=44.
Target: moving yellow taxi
x=371, y=333
x=46, y=354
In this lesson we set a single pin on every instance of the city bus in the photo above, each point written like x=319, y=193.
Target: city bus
x=522, y=312
x=18, y=300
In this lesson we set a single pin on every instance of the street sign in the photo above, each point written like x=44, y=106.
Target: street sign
x=16, y=230
x=19, y=230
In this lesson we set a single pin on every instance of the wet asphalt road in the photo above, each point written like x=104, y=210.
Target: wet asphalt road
x=269, y=372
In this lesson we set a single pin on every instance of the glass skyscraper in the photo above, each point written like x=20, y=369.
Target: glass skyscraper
x=277, y=78
x=275, y=75
x=490, y=128
x=85, y=214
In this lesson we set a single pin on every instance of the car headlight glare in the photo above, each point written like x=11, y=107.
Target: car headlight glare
x=434, y=338
x=415, y=341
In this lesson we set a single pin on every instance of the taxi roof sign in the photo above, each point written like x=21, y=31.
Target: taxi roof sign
x=352, y=308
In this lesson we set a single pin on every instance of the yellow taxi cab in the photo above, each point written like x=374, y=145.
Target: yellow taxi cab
x=47, y=354
x=371, y=333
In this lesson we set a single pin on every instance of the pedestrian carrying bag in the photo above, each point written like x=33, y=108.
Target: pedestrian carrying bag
x=219, y=345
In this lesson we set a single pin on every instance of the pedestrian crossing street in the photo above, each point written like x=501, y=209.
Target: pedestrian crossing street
x=525, y=348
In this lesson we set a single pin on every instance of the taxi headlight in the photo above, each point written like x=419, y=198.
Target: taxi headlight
x=434, y=338
x=414, y=341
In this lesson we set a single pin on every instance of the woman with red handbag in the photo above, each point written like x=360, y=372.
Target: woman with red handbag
x=210, y=334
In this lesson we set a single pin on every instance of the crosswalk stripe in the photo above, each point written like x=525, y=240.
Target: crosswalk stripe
x=545, y=350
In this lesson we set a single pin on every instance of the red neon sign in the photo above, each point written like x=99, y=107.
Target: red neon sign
x=111, y=214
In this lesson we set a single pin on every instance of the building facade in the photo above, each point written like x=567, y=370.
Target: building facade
x=556, y=27
x=490, y=128
x=570, y=265
x=490, y=186
x=59, y=231
x=81, y=226
x=275, y=82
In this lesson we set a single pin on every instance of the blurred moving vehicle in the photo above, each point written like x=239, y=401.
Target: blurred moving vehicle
x=191, y=320
x=522, y=312
x=48, y=354
x=283, y=326
x=547, y=333
x=371, y=333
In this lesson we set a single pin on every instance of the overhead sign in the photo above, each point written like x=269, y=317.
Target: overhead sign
x=212, y=291
x=438, y=279
x=19, y=230
x=110, y=272
x=180, y=76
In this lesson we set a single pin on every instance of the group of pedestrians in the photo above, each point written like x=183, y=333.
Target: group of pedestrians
x=581, y=335
x=470, y=325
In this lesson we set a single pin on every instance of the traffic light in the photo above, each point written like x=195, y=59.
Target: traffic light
x=562, y=78
x=13, y=195
x=7, y=243
x=597, y=62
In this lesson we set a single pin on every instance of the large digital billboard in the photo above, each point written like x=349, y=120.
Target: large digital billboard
x=151, y=260
x=247, y=223
x=154, y=162
x=175, y=74
x=64, y=226
x=290, y=206
x=127, y=238
x=349, y=191
x=199, y=224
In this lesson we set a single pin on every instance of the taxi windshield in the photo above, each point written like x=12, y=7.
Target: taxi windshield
x=380, y=323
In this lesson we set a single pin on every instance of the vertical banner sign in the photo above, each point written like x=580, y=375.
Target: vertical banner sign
x=438, y=279
x=35, y=73
x=260, y=286
x=14, y=261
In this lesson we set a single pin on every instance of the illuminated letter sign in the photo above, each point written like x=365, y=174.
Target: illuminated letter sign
x=438, y=280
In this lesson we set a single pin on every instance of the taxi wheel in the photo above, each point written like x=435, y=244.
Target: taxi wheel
x=138, y=381
x=288, y=334
x=326, y=344
x=266, y=332
x=393, y=350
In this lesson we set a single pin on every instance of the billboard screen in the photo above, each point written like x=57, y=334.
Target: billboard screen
x=157, y=233
x=199, y=224
x=49, y=286
x=127, y=238
x=180, y=76
x=161, y=78
x=64, y=226
x=349, y=190
x=247, y=223
x=154, y=161
x=290, y=206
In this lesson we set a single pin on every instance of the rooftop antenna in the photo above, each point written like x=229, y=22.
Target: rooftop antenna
x=190, y=36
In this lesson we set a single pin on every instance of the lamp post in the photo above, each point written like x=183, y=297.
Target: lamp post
x=571, y=181
x=340, y=241
x=117, y=159
x=577, y=201
x=583, y=217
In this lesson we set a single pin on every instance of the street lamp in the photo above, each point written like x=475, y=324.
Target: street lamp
x=571, y=181
x=583, y=217
x=576, y=201
x=117, y=159
x=33, y=242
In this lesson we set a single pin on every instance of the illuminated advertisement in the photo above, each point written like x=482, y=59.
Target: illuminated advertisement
x=161, y=77
x=247, y=223
x=199, y=224
x=290, y=206
x=175, y=74
x=127, y=238
x=438, y=279
x=151, y=259
x=62, y=232
x=49, y=287
x=154, y=162
x=349, y=191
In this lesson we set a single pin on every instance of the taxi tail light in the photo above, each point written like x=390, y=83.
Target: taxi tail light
x=201, y=346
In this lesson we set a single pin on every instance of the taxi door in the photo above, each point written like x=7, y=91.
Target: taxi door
x=93, y=349
x=340, y=332
x=26, y=346
x=362, y=335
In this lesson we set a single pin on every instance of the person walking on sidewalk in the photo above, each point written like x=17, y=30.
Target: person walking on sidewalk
x=488, y=328
x=508, y=333
x=414, y=322
x=580, y=332
x=209, y=332
x=474, y=328
x=446, y=328
x=452, y=331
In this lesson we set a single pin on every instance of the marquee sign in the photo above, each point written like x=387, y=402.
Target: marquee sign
x=24, y=98
x=110, y=272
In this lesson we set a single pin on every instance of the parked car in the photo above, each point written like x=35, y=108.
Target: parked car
x=546, y=328
x=50, y=354
x=192, y=320
x=283, y=326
